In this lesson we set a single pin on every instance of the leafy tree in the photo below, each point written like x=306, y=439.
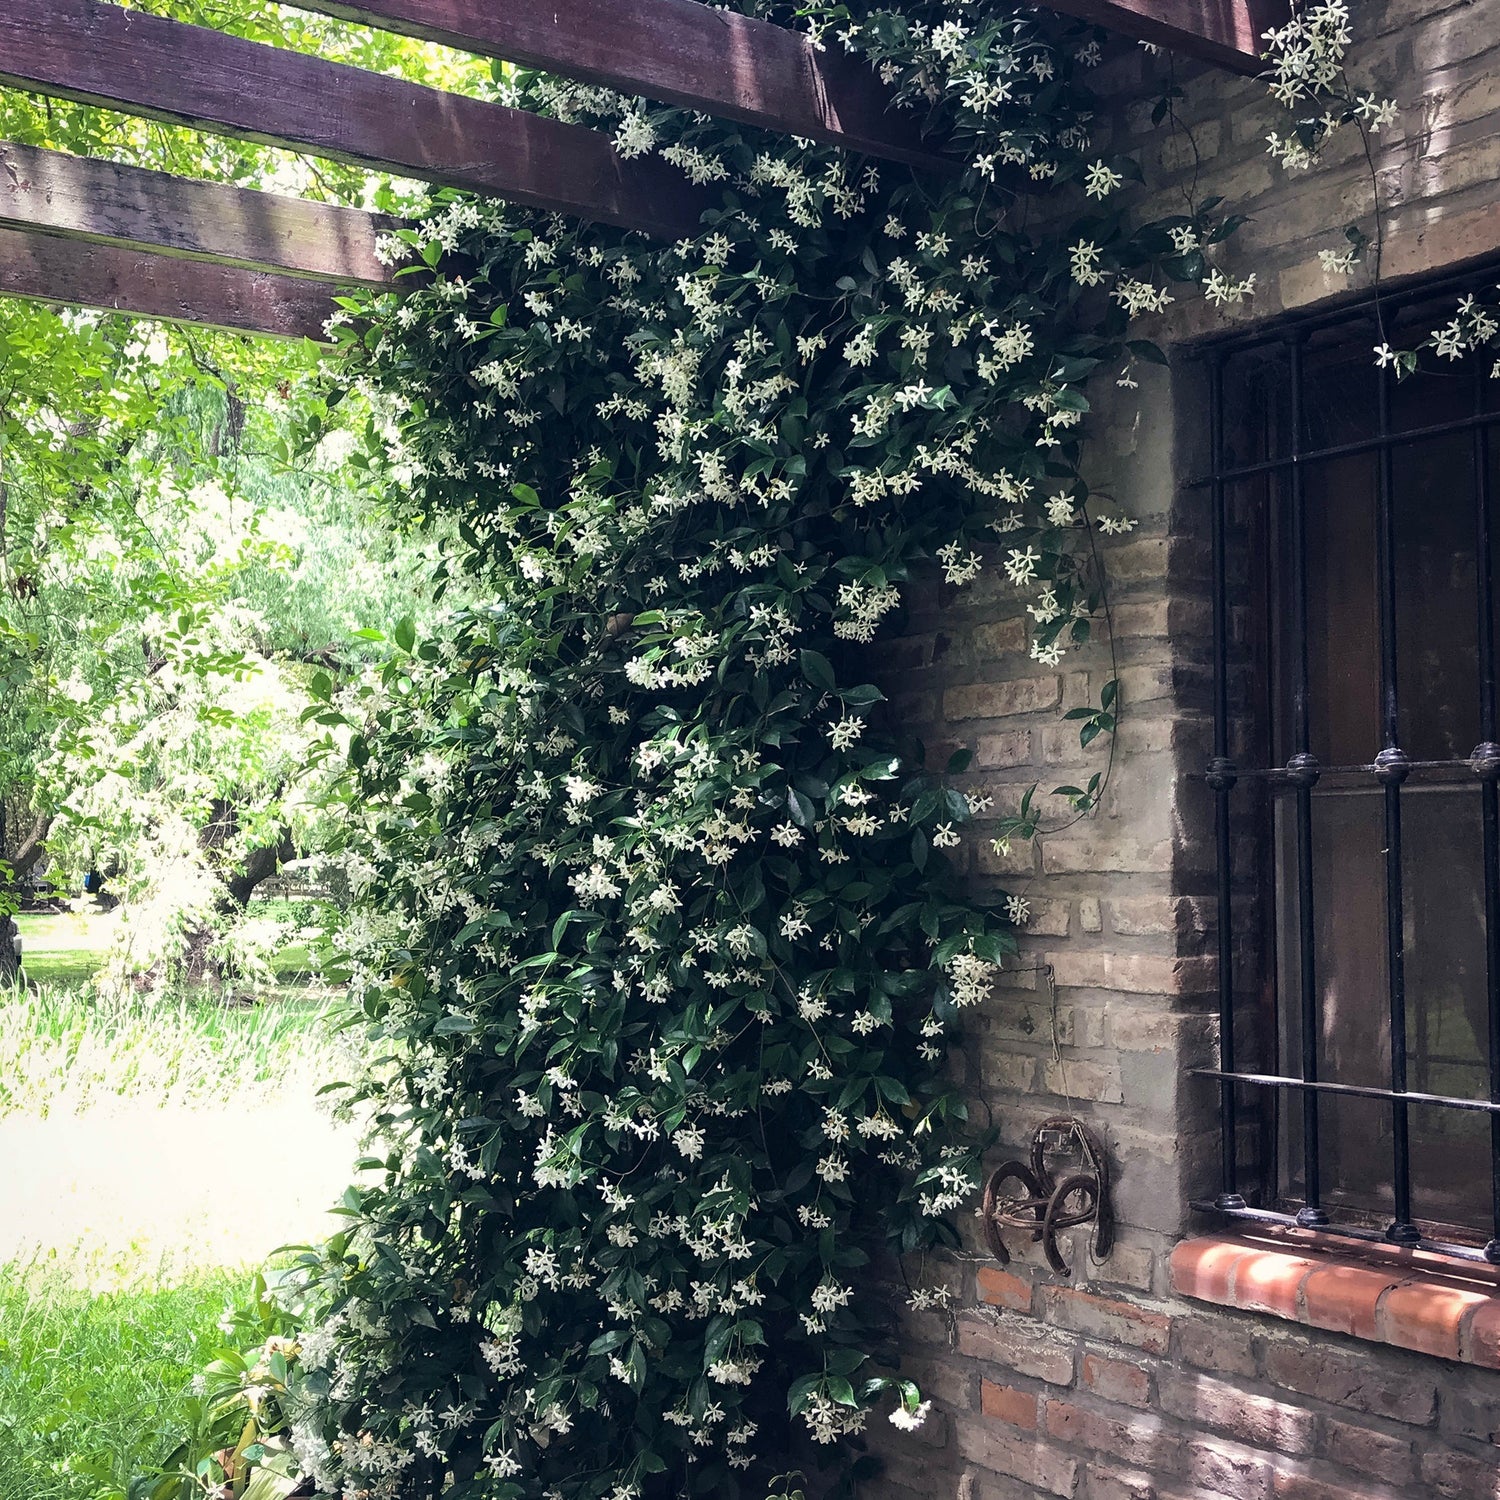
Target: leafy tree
x=107, y=431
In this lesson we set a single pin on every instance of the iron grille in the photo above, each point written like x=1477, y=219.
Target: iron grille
x=1295, y=1099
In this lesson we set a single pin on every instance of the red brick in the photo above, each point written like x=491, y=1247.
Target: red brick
x=1104, y=1318
x=951, y=1383
x=1471, y=1416
x=1137, y=973
x=1354, y=1381
x=1108, y=1482
x=1204, y=1268
x=1090, y=854
x=904, y=1469
x=996, y=638
x=1460, y=1477
x=1215, y=1467
x=933, y=1329
x=1142, y=1440
x=1225, y=1348
x=1117, y=1380
x=1217, y=1404
x=1343, y=1299
x=1001, y=1289
x=997, y=751
x=1427, y=1317
x=1481, y=1341
x=998, y=700
x=1378, y=1454
x=1015, y=1455
x=1270, y=1283
x=1006, y=1404
x=1287, y=1484
x=1132, y=1266
x=1019, y=1346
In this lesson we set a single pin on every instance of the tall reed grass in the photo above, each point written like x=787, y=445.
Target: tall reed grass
x=66, y=1049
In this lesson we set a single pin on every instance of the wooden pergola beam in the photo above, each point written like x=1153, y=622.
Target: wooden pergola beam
x=675, y=52
x=113, y=278
x=1227, y=33
x=122, y=59
x=83, y=198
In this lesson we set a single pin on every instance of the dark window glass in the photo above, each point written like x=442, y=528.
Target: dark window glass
x=1428, y=451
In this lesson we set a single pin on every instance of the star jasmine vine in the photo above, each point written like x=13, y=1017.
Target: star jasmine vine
x=670, y=926
x=1308, y=74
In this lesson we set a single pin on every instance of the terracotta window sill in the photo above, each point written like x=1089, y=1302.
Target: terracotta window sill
x=1411, y=1299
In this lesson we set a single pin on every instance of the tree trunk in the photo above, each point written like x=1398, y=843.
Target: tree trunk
x=200, y=967
x=21, y=864
x=260, y=865
x=32, y=849
x=10, y=963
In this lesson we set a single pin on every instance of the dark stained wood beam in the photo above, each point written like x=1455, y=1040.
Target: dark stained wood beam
x=79, y=197
x=675, y=52
x=122, y=59
x=1227, y=33
x=45, y=268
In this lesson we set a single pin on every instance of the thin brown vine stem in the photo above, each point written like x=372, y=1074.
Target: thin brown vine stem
x=1378, y=213
x=1114, y=668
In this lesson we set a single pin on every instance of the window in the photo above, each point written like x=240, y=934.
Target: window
x=1355, y=571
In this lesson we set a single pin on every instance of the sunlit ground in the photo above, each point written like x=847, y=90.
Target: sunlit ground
x=132, y=1185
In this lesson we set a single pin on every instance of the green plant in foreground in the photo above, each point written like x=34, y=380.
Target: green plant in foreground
x=91, y=1386
x=673, y=928
x=235, y=1442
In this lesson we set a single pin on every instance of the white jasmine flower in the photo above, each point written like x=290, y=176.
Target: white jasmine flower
x=909, y=1421
x=843, y=734
x=1100, y=181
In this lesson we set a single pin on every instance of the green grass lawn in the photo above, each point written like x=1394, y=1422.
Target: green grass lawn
x=91, y=1386
x=65, y=947
x=68, y=948
x=67, y=1049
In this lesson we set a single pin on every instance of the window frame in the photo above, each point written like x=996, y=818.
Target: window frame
x=1286, y=602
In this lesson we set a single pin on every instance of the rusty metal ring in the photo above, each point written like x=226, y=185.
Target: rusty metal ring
x=1104, y=1224
x=991, y=1211
x=1059, y=1216
x=1045, y=1210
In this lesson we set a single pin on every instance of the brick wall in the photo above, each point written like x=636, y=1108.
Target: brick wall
x=1111, y=1386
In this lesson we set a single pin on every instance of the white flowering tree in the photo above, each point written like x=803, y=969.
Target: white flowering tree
x=172, y=581
x=106, y=431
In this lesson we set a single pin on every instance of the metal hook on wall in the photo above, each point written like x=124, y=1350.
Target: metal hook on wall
x=1051, y=1200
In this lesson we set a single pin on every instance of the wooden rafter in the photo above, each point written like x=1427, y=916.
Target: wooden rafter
x=79, y=197
x=1228, y=33
x=116, y=279
x=104, y=235
x=124, y=59
x=675, y=52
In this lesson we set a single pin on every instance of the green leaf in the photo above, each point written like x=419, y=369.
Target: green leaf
x=818, y=670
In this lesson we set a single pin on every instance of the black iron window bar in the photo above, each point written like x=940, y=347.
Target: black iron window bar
x=1391, y=768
